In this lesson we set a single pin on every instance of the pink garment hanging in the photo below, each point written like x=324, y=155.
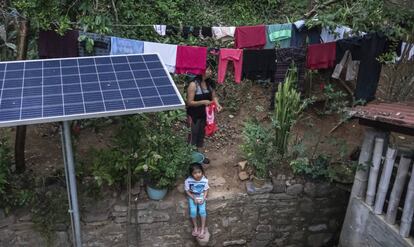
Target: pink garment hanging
x=211, y=125
x=191, y=60
x=226, y=55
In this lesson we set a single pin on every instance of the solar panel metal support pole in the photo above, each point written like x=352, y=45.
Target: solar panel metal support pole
x=67, y=178
x=70, y=167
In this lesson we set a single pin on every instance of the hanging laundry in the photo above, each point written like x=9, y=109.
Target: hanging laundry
x=284, y=59
x=302, y=35
x=352, y=67
x=225, y=33
x=226, y=55
x=410, y=51
x=206, y=32
x=259, y=64
x=340, y=32
x=167, y=52
x=211, y=125
x=101, y=44
x=191, y=60
x=126, y=46
x=372, y=46
x=194, y=31
x=53, y=45
x=171, y=30
x=160, y=29
x=321, y=56
x=253, y=37
x=279, y=34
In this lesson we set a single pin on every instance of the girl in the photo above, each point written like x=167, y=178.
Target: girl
x=196, y=188
x=200, y=93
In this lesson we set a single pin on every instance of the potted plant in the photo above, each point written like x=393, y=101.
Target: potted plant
x=163, y=156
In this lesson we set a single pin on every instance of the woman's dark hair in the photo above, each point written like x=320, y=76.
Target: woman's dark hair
x=195, y=166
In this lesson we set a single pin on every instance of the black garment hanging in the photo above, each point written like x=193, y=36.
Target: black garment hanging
x=259, y=64
x=206, y=32
x=53, y=45
x=171, y=30
x=372, y=46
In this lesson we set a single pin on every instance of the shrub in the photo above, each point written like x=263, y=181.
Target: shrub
x=257, y=147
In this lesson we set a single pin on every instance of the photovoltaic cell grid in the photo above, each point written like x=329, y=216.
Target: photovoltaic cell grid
x=74, y=88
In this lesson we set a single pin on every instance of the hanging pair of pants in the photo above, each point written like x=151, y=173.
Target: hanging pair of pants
x=226, y=55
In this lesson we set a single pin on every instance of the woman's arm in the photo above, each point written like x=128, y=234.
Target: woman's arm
x=191, y=94
x=215, y=99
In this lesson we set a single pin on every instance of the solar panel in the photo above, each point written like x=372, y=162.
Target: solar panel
x=39, y=91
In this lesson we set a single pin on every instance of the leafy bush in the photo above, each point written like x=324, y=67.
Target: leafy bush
x=5, y=164
x=257, y=147
x=151, y=145
x=316, y=169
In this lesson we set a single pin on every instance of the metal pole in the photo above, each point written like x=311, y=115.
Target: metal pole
x=67, y=179
x=72, y=183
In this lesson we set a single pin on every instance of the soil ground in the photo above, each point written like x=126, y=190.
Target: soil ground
x=44, y=153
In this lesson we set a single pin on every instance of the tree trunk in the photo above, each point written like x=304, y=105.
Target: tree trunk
x=19, y=146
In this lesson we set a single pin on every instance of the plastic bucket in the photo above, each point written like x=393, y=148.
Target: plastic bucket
x=156, y=194
x=197, y=157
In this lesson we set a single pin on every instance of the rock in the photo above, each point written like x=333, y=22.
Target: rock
x=234, y=242
x=317, y=228
x=279, y=185
x=120, y=208
x=294, y=190
x=252, y=190
x=310, y=189
x=231, y=116
x=319, y=239
x=242, y=164
x=2, y=214
x=150, y=216
x=136, y=189
x=27, y=217
x=7, y=221
x=323, y=189
x=204, y=241
x=263, y=228
x=243, y=175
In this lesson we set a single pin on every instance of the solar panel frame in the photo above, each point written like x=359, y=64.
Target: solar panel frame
x=50, y=87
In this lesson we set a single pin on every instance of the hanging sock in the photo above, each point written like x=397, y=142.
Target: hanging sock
x=226, y=55
x=321, y=56
x=191, y=60
x=160, y=29
x=253, y=37
x=211, y=125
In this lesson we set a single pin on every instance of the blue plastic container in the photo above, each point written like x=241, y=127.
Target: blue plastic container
x=156, y=194
x=197, y=157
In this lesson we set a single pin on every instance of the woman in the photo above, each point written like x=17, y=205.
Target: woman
x=200, y=93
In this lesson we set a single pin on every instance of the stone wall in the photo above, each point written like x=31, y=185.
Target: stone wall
x=301, y=214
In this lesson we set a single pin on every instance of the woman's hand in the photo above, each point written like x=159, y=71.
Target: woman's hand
x=219, y=108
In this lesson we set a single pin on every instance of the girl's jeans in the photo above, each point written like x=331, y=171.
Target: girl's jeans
x=194, y=207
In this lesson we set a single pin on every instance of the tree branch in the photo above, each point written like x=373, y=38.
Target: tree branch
x=317, y=7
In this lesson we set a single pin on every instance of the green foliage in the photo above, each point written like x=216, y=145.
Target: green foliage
x=288, y=106
x=50, y=208
x=335, y=100
x=152, y=145
x=257, y=147
x=5, y=165
x=316, y=169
